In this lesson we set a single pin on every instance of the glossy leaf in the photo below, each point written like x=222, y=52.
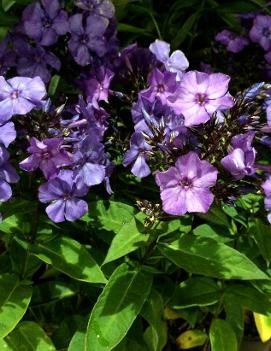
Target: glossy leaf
x=208, y=257
x=70, y=257
x=222, y=337
x=156, y=334
x=29, y=336
x=116, y=308
x=263, y=325
x=14, y=301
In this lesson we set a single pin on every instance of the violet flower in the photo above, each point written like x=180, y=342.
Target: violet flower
x=7, y=175
x=7, y=134
x=240, y=162
x=176, y=63
x=233, y=42
x=33, y=62
x=261, y=31
x=19, y=95
x=138, y=155
x=7, y=57
x=200, y=95
x=45, y=23
x=185, y=186
x=267, y=201
x=63, y=193
x=98, y=89
x=48, y=155
x=103, y=8
x=87, y=38
x=161, y=84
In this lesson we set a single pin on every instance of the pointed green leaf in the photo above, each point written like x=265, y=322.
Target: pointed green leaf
x=208, y=257
x=14, y=301
x=29, y=336
x=116, y=309
x=70, y=257
x=222, y=336
x=128, y=239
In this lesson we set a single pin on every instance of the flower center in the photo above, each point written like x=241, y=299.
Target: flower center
x=15, y=94
x=66, y=197
x=160, y=88
x=186, y=182
x=84, y=39
x=201, y=99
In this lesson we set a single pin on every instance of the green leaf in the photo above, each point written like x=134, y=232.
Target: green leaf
x=7, y=4
x=222, y=336
x=14, y=301
x=216, y=216
x=116, y=308
x=124, y=27
x=262, y=236
x=248, y=297
x=70, y=257
x=29, y=336
x=185, y=29
x=197, y=291
x=235, y=316
x=53, y=85
x=112, y=215
x=207, y=257
x=128, y=239
x=205, y=230
x=156, y=334
x=52, y=291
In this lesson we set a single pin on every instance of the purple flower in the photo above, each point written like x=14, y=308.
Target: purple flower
x=19, y=95
x=261, y=31
x=162, y=85
x=103, y=8
x=7, y=134
x=240, y=161
x=88, y=38
x=138, y=155
x=267, y=201
x=97, y=89
x=200, y=95
x=48, y=155
x=7, y=175
x=176, y=63
x=185, y=186
x=45, y=23
x=233, y=42
x=63, y=193
x=35, y=62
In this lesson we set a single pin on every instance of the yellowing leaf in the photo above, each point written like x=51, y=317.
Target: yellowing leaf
x=263, y=325
x=190, y=339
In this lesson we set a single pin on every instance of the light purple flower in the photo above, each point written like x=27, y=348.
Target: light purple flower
x=19, y=95
x=48, y=155
x=185, y=186
x=176, y=63
x=233, y=42
x=103, y=8
x=63, y=193
x=261, y=31
x=161, y=84
x=240, y=162
x=45, y=23
x=200, y=95
x=7, y=175
x=87, y=39
x=267, y=201
x=7, y=134
x=97, y=89
x=138, y=155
